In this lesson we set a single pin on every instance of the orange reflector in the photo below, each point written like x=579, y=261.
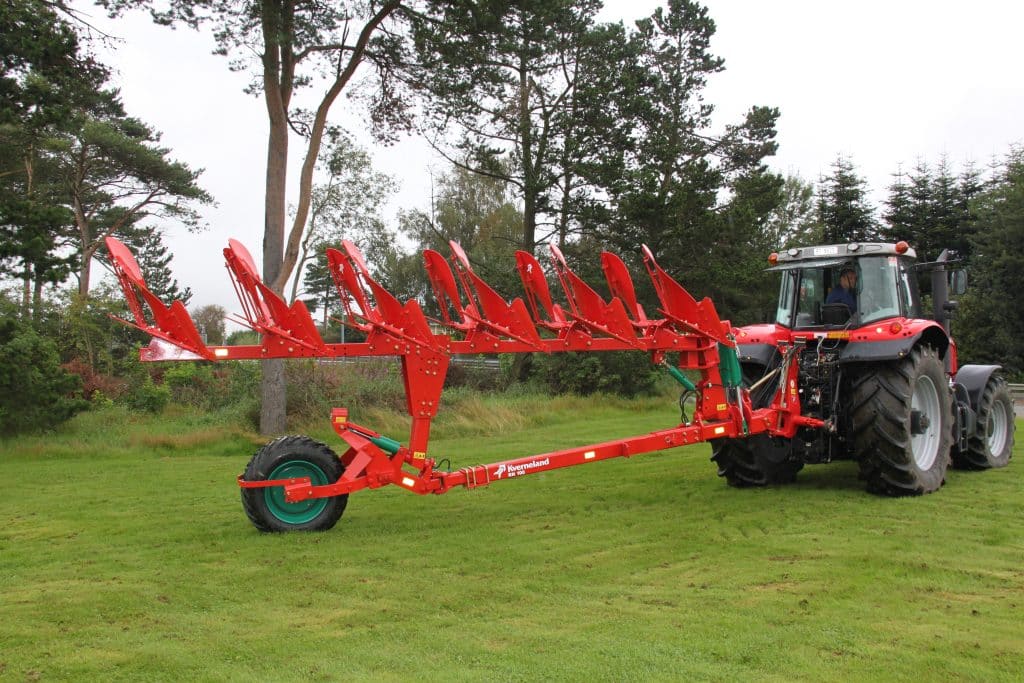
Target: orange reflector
x=773, y=258
x=901, y=247
x=895, y=328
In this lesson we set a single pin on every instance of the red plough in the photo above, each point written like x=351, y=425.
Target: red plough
x=295, y=483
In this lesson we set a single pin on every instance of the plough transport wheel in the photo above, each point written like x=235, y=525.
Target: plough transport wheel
x=293, y=457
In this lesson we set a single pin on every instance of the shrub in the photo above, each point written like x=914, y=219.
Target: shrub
x=475, y=377
x=96, y=383
x=35, y=392
x=622, y=373
x=146, y=396
x=89, y=334
x=314, y=388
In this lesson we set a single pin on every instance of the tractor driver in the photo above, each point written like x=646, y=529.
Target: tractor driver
x=845, y=293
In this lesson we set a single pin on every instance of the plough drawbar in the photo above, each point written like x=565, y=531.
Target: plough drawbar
x=296, y=483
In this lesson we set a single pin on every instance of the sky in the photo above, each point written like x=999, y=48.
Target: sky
x=883, y=83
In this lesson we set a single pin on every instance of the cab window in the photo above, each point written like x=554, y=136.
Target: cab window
x=910, y=295
x=878, y=296
x=784, y=313
x=811, y=295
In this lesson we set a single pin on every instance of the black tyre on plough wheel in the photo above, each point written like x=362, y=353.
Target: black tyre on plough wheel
x=293, y=457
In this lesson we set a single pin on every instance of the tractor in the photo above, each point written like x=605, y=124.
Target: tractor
x=867, y=377
x=882, y=377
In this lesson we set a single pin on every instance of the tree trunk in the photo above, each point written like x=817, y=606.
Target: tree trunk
x=26, y=291
x=526, y=152
x=85, y=272
x=37, y=299
x=274, y=388
x=278, y=72
x=522, y=362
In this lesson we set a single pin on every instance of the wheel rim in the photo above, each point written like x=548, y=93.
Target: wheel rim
x=996, y=429
x=304, y=510
x=926, y=401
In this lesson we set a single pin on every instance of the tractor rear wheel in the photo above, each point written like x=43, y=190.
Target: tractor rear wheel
x=286, y=458
x=754, y=461
x=902, y=418
x=992, y=442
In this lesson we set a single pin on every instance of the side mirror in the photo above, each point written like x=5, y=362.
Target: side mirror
x=958, y=282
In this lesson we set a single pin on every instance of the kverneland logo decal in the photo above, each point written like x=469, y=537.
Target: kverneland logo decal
x=516, y=470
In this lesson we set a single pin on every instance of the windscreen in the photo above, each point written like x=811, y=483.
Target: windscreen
x=878, y=296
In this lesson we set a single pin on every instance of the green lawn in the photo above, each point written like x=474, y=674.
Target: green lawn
x=125, y=555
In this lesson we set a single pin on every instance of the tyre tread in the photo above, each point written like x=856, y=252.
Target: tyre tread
x=977, y=455
x=263, y=463
x=880, y=400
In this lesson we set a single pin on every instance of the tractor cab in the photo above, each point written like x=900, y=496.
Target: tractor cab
x=881, y=285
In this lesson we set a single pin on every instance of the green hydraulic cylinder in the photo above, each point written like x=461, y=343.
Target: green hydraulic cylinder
x=729, y=366
x=678, y=376
x=389, y=446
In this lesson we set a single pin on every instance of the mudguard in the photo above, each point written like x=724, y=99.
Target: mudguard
x=876, y=348
x=761, y=354
x=973, y=378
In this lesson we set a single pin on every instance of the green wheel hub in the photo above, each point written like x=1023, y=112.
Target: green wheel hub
x=303, y=511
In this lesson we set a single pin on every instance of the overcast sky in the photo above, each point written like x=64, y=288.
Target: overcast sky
x=883, y=83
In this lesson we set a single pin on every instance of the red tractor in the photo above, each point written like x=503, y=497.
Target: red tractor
x=852, y=373
x=882, y=377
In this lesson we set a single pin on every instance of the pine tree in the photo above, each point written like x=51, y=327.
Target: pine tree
x=508, y=87
x=155, y=261
x=843, y=208
x=932, y=209
x=992, y=326
x=318, y=288
x=46, y=75
x=970, y=185
x=897, y=215
x=701, y=201
x=792, y=222
x=944, y=220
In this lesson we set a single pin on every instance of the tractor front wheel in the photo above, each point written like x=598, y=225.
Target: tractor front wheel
x=754, y=461
x=902, y=418
x=992, y=442
x=293, y=457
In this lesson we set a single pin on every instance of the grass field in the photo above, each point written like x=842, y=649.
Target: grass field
x=125, y=555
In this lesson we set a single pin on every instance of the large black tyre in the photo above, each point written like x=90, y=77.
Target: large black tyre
x=757, y=460
x=293, y=457
x=754, y=461
x=901, y=424
x=991, y=445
